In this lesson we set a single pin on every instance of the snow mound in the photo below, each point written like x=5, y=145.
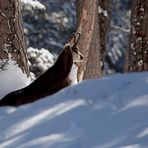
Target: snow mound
x=107, y=113
x=12, y=78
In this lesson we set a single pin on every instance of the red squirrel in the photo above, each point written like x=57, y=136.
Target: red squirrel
x=54, y=79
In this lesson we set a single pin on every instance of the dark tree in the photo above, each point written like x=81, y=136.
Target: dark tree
x=12, y=44
x=137, y=53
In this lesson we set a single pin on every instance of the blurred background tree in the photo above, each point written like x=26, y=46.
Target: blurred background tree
x=137, y=52
x=105, y=11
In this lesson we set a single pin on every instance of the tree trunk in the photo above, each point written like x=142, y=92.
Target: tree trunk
x=12, y=46
x=137, y=53
x=105, y=9
x=89, y=43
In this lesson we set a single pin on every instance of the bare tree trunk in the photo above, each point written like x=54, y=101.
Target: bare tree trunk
x=12, y=44
x=105, y=9
x=137, y=53
x=89, y=43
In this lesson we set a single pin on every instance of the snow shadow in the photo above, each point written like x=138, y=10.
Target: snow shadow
x=107, y=113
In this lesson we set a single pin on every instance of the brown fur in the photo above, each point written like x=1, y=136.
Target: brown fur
x=54, y=79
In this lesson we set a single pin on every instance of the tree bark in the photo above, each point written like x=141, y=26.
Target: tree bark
x=12, y=45
x=89, y=42
x=105, y=10
x=137, y=53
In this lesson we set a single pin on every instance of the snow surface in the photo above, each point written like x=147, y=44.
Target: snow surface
x=12, y=78
x=107, y=113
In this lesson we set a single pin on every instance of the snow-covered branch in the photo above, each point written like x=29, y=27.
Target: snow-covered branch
x=33, y=4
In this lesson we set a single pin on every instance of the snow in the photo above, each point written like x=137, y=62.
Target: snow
x=104, y=12
x=34, y=4
x=107, y=113
x=12, y=78
x=40, y=59
x=140, y=62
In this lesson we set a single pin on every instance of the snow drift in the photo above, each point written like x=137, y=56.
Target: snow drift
x=107, y=113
